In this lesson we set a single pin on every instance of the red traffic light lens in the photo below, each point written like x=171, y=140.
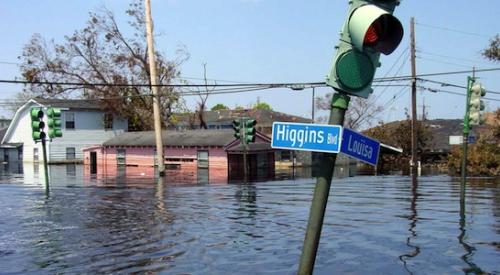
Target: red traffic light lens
x=372, y=34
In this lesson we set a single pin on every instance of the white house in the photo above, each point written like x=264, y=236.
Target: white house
x=84, y=124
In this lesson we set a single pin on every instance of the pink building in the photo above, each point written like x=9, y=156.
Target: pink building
x=197, y=155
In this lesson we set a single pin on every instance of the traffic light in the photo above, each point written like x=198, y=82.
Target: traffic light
x=236, y=128
x=370, y=29
x=54, y=122
x=250, y=130
x=476, y=104
x=37, y=124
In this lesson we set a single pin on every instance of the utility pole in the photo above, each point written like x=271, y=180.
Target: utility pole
x=313, y=104
x=154, y=88
x=414, y=163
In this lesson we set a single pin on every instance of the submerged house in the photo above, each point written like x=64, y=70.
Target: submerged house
x=203, y=153
x=84, y=123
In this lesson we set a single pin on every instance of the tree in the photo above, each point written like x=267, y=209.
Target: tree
x=261, y=105
x=493, y=51
x=361, y=112
x=203, y=95
x=219, y=106
x=100, y=53
x=483, y=157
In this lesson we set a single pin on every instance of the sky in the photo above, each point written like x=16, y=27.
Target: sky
x=276, y=41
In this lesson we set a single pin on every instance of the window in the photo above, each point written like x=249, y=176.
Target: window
x=108, y=121
x=286, y=156
x=35, y=154
x=70, y=120
x=70, y=153
x=202, y=159
x=120, y=156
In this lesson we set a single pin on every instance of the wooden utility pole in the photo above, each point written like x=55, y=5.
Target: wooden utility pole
x=414, y=161
x=154, y=88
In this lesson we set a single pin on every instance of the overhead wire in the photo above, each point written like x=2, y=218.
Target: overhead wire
x=452, y=30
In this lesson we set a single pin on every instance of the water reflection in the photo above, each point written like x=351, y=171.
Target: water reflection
x=413, y=224
x=469, y=249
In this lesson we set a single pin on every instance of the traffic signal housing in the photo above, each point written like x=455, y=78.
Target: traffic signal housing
x=250, y=130
x=370, y=29
x=54, y=122
x=37, y=124
x=237, y=128
x=476, y=104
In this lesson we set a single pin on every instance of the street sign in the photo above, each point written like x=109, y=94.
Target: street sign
x=360, y=147
x=306, y=137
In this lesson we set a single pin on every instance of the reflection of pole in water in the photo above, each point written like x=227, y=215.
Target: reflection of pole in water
x=413, y=224
x=467, y=257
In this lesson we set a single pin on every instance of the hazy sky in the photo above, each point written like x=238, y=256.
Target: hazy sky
x=281, y=41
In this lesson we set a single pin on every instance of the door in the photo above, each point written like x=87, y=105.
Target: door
x=93, y=162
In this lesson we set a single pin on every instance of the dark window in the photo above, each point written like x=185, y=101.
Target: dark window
x=70, y=153
x=70, y=120
x=108, y=121
x=120, y=156
x=286, y=155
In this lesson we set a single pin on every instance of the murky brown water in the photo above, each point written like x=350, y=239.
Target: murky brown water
x=373, y=225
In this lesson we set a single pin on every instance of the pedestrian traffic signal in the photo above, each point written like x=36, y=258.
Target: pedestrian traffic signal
x=54, y=122
x=476, y=104
x=370, y=29
x=37, y=124
x=250, y=130
x=236, y=128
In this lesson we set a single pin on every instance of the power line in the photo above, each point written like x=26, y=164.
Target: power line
x=452, y=85
x=453, y=93
x=452, y=30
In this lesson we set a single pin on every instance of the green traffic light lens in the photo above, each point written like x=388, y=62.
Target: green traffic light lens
x=354, y=70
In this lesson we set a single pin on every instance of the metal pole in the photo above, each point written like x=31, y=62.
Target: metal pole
x=340, y=102
x=245, y=149
x=154, y=88
x=45, y=166
x=313, y=104
x=465, y=141
x=414, y=142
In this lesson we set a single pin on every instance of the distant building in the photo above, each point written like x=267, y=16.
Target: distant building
x=214, y=154
x=223, y=119
x=84, y=124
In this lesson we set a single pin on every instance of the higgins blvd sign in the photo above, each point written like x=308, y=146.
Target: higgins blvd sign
x=306, y=137
x=325, y=138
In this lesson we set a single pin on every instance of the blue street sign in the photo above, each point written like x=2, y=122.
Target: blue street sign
x=306, y=137
x=472, y=139
x=360, y=147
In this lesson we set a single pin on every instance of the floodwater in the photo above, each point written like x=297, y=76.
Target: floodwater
x=373, y=225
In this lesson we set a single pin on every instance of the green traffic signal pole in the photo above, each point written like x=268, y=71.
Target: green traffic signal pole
x=45, y=166
x=340, y=103
x=465, y=141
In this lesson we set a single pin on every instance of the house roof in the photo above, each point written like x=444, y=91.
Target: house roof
x=263, y=117
x=70, y=103
x=174, y=138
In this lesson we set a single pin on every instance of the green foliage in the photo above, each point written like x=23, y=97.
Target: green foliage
x=219, y=106
x=262, y=106
x=493, y=50
x=483, y=158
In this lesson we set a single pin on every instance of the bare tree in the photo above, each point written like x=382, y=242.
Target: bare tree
x=101, y=53
x=361, y=113
x=203, y=95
